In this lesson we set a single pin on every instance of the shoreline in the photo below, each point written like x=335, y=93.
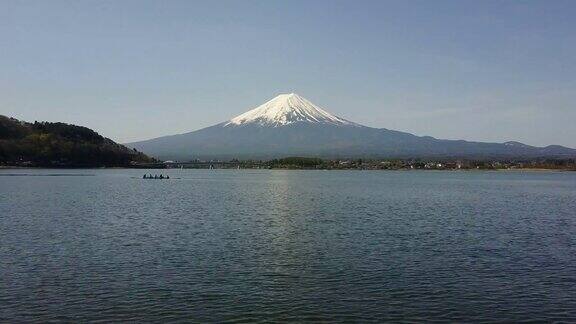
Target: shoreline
x=291, y=169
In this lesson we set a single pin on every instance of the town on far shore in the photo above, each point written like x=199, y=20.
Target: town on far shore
x=374, y=164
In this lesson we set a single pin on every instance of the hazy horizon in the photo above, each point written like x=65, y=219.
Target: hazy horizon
x=483, y=71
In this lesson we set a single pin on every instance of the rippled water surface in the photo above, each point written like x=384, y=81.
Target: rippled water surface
x=243, y=246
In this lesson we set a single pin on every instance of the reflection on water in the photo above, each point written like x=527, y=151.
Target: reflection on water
x=240, y=245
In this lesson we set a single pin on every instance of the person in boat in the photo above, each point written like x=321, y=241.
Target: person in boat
x=167, y=177
x=161, y=177
x=155, y=176
x=150, y=176
x=144, y=177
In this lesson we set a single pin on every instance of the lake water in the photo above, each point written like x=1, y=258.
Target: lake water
x=244, y=246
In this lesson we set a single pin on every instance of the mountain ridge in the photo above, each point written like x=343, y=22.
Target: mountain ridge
x=289, y=125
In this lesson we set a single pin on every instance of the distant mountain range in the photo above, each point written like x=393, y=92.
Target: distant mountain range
x=47, y=144
x=289, y=125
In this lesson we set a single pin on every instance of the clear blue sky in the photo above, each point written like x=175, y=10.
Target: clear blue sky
x=132, y=70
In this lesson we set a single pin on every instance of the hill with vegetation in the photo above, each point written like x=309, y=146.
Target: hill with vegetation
x=47, y=144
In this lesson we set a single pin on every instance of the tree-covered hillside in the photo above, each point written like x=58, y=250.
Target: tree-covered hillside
x=60, y=145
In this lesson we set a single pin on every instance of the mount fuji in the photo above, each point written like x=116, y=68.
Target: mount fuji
x=290, y=125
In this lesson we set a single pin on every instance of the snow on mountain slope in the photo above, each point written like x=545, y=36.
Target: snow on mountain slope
x=286, y=109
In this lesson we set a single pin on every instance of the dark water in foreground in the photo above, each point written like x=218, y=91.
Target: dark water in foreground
x=245, y=246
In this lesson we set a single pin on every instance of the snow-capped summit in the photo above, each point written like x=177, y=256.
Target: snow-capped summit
x=286, y=109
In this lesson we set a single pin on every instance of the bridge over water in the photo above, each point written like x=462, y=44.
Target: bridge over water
x=197, y=165
x=203, y=165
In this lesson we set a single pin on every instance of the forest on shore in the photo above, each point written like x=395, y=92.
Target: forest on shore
x=47, y=144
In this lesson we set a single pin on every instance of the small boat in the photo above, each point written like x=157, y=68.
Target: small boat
x=158, y=177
